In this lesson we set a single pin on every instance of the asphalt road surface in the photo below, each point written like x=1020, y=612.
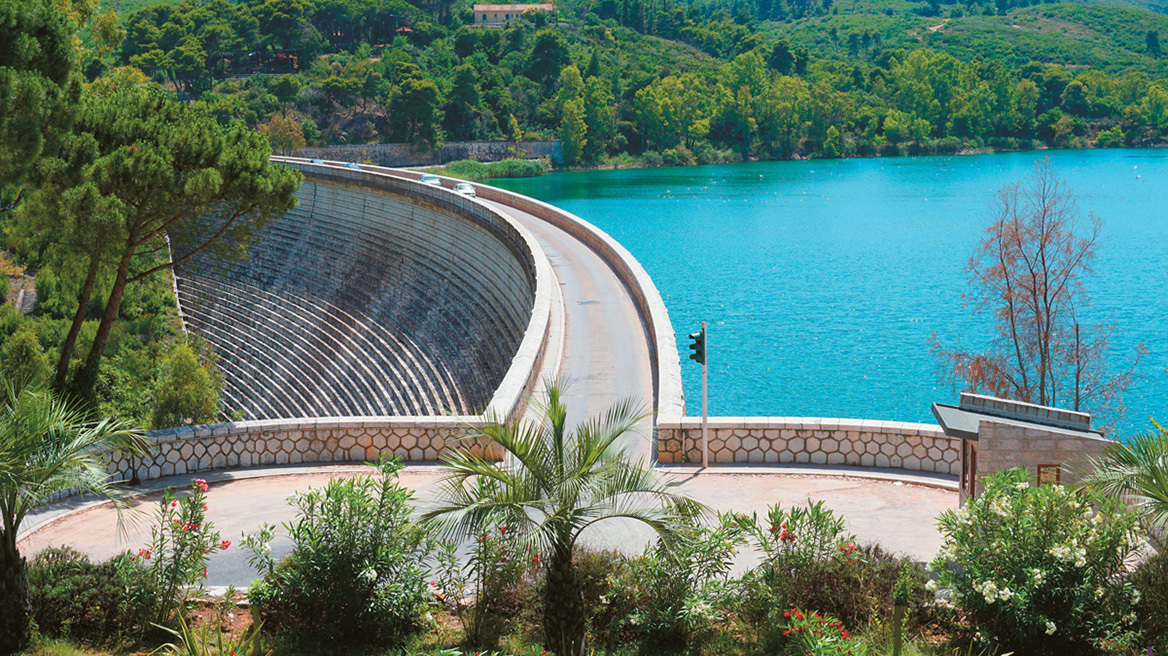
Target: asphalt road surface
x=606, y=351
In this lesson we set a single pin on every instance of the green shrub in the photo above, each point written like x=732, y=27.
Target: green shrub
x=95, y=603
x=187, y=391
x=469, y=169
x=673, y=595
x=356, y=574
x=181, y=542
x=498, y=571
x=811, y=562
x=1151, y=579
x=820, y=635
x=1039, y=570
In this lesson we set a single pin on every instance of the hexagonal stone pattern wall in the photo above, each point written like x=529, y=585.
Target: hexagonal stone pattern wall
x=812, y=440
x=279, y=442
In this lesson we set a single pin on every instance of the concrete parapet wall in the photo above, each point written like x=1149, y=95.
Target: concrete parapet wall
x=669, y=401
x=294, y=441
x=812, y=440
x=452, y=151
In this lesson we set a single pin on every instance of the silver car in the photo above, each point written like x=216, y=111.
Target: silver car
x=465, y=188
x=430, y=179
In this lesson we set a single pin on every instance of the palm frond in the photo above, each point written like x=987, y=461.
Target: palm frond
x=555, y=482
x=1138, y=470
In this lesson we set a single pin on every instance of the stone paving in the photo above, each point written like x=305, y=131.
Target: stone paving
x=886, y=508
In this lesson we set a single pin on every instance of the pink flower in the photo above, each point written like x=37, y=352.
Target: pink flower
x=174, y=504
x=224, y=544
x=200, y=484
x=145, y=553
x=204, y=571
x=432, y=582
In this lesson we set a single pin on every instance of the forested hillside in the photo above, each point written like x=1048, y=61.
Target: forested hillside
x=669, y=82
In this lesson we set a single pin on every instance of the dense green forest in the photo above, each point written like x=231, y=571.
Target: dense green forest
x=621, y=82
x=669, y=82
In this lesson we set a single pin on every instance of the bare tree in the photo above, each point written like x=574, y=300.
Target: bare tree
x=1028, y=272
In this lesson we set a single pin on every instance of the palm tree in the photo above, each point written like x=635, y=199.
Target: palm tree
x=47, y=447
x=552, y=485
x=1137, y=469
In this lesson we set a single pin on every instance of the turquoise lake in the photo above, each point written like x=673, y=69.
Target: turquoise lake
x=822, y=281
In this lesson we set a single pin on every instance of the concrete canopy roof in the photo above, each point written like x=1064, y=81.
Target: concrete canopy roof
x=963, y=422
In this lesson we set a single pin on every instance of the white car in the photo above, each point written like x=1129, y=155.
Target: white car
x=465, y=188
x=430, y=179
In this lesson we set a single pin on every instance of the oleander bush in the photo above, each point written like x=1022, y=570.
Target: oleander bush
x=107, y=603
x=181, y=542
x=1040, y=570
x=672, y=595
x=811, y=562
x=488, y=590
x=357, y=570
x=816, y=634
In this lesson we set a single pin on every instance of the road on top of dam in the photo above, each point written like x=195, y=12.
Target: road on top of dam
x=606, y=344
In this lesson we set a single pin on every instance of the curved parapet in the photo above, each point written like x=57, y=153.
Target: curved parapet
x=669, y=396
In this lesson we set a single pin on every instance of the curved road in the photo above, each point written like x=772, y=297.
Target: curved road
x=606, y=346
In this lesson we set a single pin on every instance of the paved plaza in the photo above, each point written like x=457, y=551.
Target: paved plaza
x=899, y=515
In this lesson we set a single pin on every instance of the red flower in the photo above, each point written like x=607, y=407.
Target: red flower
x=224, y=544
x=786, y=613
x=502, y=529
x=174, y=504
x=786, y=632
x=433, y=582
x=204, y=571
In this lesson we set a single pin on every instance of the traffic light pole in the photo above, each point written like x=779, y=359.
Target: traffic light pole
x=705, y=417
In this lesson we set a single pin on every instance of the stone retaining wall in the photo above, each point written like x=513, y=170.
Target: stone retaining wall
x=812, y=440
x=292, y=442
x=452, y=151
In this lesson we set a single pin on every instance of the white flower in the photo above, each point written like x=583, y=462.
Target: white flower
x=1021, y=486
x=1098, y=593
x=987, y=590
x=1135, y=596
x=1038, y=576
x=1050, y=628
x=1005, y=594
x=931, y=586
x=1129, y=618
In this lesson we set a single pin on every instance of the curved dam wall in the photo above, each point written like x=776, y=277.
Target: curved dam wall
x=471, y=240
x=373, y=297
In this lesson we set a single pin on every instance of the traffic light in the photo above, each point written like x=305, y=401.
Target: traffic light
x=698, y=347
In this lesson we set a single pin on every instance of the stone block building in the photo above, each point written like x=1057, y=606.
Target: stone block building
x=497, y=15
x=1054, y=444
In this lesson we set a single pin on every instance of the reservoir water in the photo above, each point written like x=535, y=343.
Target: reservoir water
x=822, y=281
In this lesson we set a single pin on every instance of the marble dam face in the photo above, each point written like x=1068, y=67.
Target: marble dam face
x=367, y=299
